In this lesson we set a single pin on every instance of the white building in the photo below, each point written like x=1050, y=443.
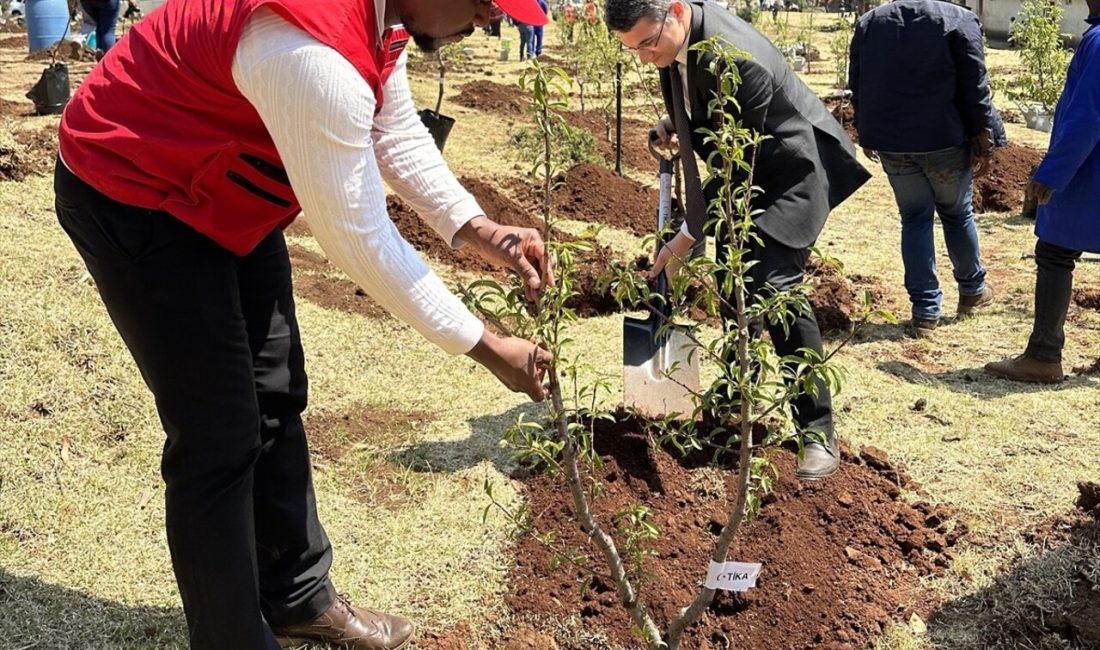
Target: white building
x=997, y=16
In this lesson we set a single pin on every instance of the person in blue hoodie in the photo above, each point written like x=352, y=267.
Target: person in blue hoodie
x=1067, y=185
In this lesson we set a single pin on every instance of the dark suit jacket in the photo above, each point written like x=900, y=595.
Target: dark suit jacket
x=808, y=166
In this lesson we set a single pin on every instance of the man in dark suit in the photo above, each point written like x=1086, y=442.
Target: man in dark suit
x=806, y=167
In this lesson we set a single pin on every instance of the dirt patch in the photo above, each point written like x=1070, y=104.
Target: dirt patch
x=1088, y=498
x=8, y=108
x=32, y=152
x=313, y=282
x=14, y=42
x=1087, y=298
x=844, y=113
x=591, y=265
x=63, y=51
x=842, y=558
x=836, y=298
x=1002, y=189
x=635, y=134
x=333, y=435
x=508, y=100
x=298, y=228
x=593, y=193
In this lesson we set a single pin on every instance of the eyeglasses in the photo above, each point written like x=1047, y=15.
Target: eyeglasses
x=651, y=42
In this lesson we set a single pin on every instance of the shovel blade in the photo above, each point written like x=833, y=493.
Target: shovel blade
x=659, y=372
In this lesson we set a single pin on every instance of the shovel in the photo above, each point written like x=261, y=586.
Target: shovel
x=660, y=373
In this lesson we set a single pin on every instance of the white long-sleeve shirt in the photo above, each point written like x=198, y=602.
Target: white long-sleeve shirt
x=320, y=113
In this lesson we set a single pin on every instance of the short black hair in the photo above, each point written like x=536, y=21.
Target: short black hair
x=623, y=15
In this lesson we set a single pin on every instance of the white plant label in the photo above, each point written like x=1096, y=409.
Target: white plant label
x=732, y=576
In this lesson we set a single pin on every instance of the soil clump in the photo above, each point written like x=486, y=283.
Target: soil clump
x=836, y=298
x=843, y=558
x=844, y=113
x=1087, y=298
x=14, y=42
x=595, y=194
x=506, y=100
x=590, y=265
x=63, y=51
x=1002, y=189
x=30, y=152
x=635, y=135
x=313, y=283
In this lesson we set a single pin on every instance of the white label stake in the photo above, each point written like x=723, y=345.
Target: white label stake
x=732, y=576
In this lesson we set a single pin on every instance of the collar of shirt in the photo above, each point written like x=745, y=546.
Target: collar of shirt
x=1093, y=20
x=682, y=55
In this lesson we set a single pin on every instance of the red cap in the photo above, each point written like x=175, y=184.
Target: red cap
x=525, y=11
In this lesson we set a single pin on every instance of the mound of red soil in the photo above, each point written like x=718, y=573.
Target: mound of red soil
x=591, y=266
x=63, y=51
x=844, y=113
x=595, y=194
x=21, y=109
x=1088, y=498
x=635, y=134
x=312, y=283
x=842, y=557
x=34, y=152
x=508, y=100
x=1087, y=298
x=836, y=299
x=14, y=42
x=1002, y=189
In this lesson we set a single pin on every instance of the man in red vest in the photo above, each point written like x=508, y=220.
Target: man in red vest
x=183, y=154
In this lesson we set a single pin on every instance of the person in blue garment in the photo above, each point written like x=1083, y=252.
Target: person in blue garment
x=534, y=48
x=1066, y=185
x=104, y=13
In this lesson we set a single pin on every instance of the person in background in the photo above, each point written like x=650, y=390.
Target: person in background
x=183, y=155
x=496, y=16
x=534, y=48
x=1067, y=187
x=524, y=40
x=104, y=13
x=806, y=167
x=923, y=109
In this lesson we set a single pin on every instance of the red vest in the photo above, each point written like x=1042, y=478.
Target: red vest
x=160, y=124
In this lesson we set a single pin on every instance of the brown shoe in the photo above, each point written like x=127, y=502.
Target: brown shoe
x=920, y=328
x=349, y=627
x=968, y=304
x=1025, y=368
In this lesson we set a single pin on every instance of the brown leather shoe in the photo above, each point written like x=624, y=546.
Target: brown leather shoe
x=968, y=304
x=920, y=328
x=349, y=627
x=1025, y=368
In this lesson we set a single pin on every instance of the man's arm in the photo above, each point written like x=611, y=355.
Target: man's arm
x=412, y=164
x=1077, y=128
x=319, y=110
x=972, y=96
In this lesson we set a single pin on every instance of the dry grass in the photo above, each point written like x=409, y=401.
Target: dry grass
x=82, y=550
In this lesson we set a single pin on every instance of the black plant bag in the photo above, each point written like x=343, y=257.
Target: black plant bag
x=439, y=125
x=52, y=91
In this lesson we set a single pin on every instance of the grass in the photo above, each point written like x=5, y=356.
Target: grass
x=83, y=559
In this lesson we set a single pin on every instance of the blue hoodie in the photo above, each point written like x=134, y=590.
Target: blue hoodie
x=1072, y=165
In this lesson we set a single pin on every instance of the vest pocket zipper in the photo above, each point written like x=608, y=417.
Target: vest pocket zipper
x=274, y=172
x=256, y=190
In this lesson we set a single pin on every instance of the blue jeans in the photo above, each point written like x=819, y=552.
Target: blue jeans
x=105, y=15
x=535, y=47
x=524, y=41
x=926, y=183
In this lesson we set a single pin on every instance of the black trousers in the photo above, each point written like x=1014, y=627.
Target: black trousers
x=783, y=267
x=1053, y=290
x=217, y=342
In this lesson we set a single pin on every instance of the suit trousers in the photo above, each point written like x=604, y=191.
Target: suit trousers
x=783, y=267
x=216, y=340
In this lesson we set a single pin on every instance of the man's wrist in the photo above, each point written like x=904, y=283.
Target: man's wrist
x=477, y=231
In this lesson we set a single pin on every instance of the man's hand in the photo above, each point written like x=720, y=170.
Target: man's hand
x=672, y=256
x=871, y=154
x=518, y=364
x=666, y=134
x=982, y=156
x=1041, y=192
x=520, y=249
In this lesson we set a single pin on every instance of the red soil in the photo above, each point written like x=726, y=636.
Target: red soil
x=508, y=100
